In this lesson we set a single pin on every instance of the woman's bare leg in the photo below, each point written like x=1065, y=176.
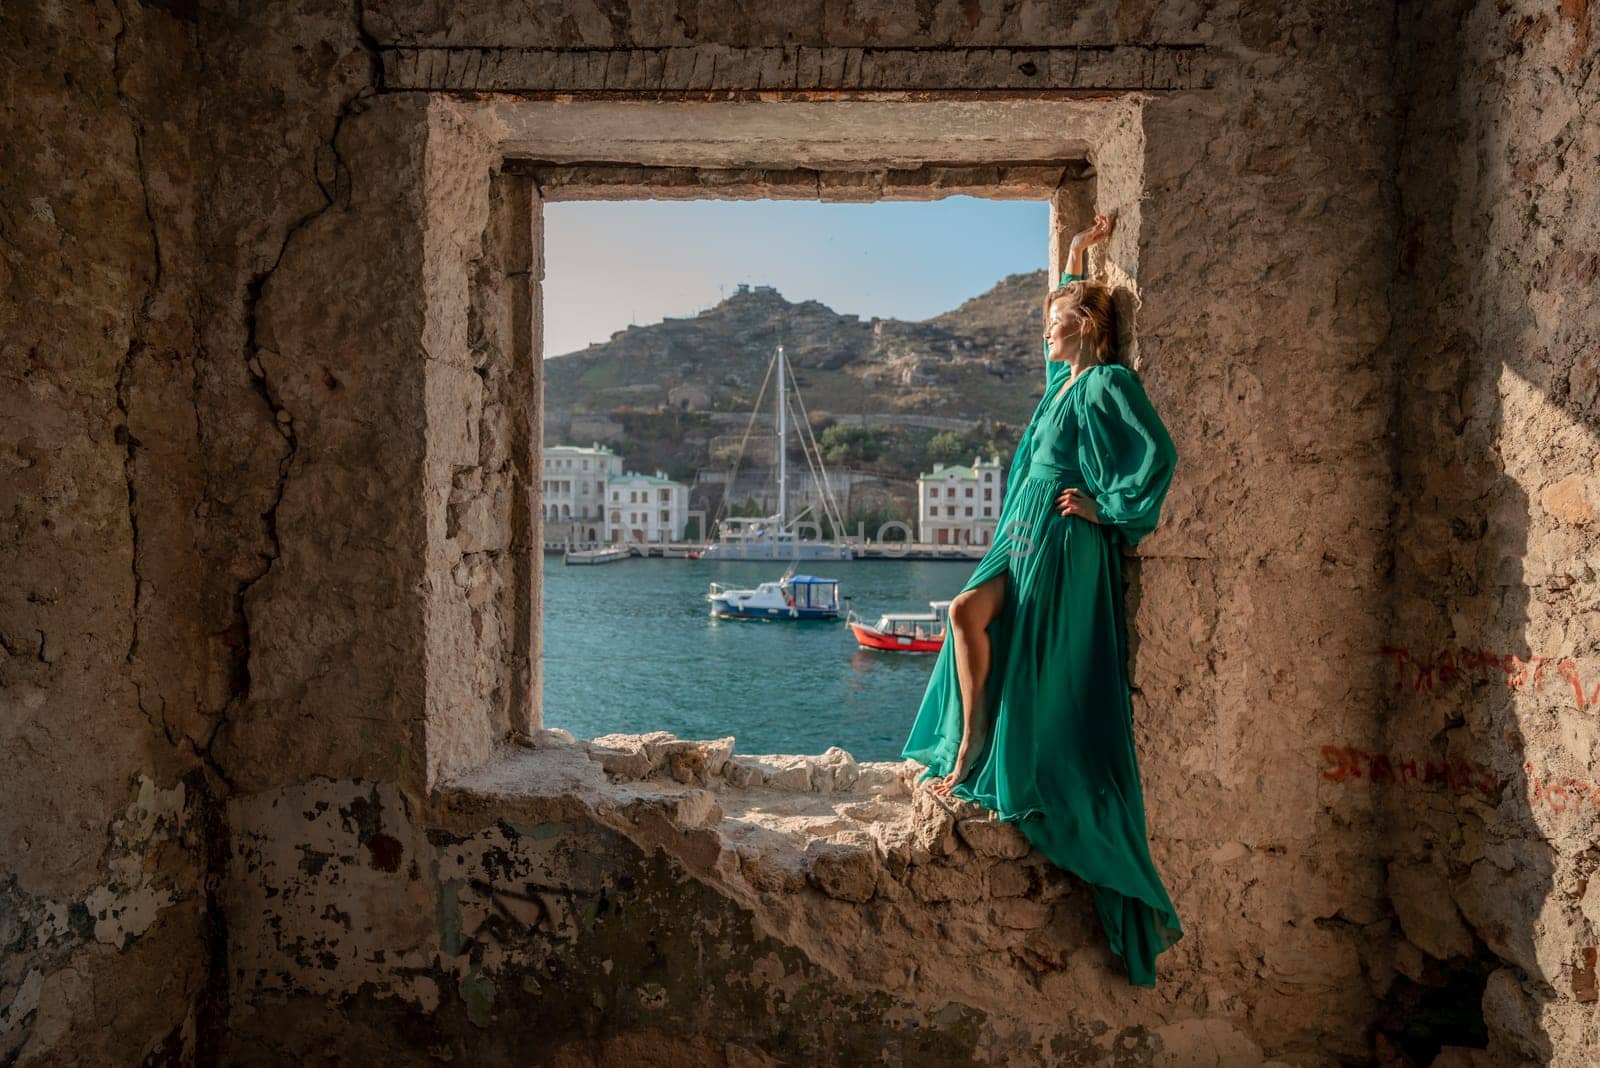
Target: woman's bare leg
x=970, y=615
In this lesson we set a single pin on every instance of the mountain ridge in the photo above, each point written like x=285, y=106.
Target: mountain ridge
x=972, y=362
x=888, y=398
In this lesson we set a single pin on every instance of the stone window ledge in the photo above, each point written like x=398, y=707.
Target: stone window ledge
x=823, y=826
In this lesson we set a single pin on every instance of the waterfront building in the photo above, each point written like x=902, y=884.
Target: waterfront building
x=645, y=508
x=959, y=504
x=575, y=492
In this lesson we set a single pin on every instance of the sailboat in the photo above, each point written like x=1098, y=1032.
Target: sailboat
x=769, y=537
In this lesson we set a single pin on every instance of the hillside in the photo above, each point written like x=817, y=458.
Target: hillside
x=676, y=394
x=980, y=360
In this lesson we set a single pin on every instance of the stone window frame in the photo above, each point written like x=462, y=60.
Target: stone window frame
x=505, y=158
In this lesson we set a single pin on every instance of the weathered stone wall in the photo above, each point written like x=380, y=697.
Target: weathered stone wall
x=334, y=613
x=1254, y=199
x=104, y=673
x=484, y=400
x=579, y=902
x=1264, y=213
x=1494, y=665
x=267, y=544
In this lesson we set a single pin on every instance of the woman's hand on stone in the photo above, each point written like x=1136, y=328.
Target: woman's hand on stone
x=1100, y=231
x=1073, y=501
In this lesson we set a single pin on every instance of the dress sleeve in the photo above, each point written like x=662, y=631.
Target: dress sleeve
x=1125, y=452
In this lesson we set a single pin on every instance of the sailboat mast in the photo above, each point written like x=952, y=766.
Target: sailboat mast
x=783, y=453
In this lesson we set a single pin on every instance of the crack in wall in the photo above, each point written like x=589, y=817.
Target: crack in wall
x=124, y=435
x=336, y=193
x=373, y=47
x=213, y=1004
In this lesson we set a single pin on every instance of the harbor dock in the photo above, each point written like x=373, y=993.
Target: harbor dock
x=892, y=550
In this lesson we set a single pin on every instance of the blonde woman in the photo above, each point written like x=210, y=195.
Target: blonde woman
x=1028, y=711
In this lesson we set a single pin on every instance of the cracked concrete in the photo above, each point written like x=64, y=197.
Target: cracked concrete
x=522, y=872
x=334, y=188
x=269, y=615
x=100, y=673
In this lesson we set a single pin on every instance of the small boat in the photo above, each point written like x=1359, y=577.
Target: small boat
x=790, y=597
x=904, y=632
x=691, y=554
x=608, y=555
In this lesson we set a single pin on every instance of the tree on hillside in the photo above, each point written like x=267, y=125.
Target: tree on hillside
x=847, y=445
x=725, y=455
x=949, y=447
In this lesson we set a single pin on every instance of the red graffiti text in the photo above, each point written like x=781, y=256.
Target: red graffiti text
x=1462, y=666
x=1345, y=763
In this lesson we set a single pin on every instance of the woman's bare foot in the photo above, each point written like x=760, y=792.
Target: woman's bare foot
x=964, y=757
x=971, y=612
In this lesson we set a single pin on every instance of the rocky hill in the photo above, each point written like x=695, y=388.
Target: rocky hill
x=979, y=361
x=900, y=396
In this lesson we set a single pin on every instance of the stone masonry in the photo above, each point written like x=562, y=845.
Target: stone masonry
x=277, y=788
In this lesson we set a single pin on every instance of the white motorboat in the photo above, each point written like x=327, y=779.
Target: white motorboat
x=791, y=597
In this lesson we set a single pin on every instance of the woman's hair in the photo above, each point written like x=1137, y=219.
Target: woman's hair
x=1091, y=302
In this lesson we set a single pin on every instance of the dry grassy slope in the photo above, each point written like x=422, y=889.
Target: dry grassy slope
x=981, y=359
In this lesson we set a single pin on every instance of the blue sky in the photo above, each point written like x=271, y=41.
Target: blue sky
x=612, y=263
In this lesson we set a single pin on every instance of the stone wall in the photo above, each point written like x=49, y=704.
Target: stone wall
x=1494, y=657
x=107, y=665
x=578, y=902
x=267, y=606
x=1239, y=180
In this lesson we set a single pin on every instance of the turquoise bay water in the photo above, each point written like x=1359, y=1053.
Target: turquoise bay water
x=632, y=647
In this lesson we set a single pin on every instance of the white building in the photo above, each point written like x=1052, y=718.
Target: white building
x=575, y=492
x=647, y=508
x=960, y=505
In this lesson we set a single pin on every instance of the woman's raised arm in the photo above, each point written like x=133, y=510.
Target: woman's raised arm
x=1077, y=265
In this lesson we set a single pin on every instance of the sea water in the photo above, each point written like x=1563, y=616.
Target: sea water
x=632, y=647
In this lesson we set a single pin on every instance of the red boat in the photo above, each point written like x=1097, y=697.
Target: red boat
x=903, y=632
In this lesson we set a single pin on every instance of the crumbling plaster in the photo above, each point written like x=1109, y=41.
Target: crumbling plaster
x=260, y=543
x=1315, y=938
x=787, y=903
x=104, y=830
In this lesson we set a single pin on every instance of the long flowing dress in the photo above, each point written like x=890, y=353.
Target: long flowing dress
x=1059, y=757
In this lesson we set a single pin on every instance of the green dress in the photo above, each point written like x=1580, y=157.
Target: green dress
x=1059, y=758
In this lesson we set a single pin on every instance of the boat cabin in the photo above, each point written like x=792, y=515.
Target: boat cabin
x=809, y=591
x=791, y=597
